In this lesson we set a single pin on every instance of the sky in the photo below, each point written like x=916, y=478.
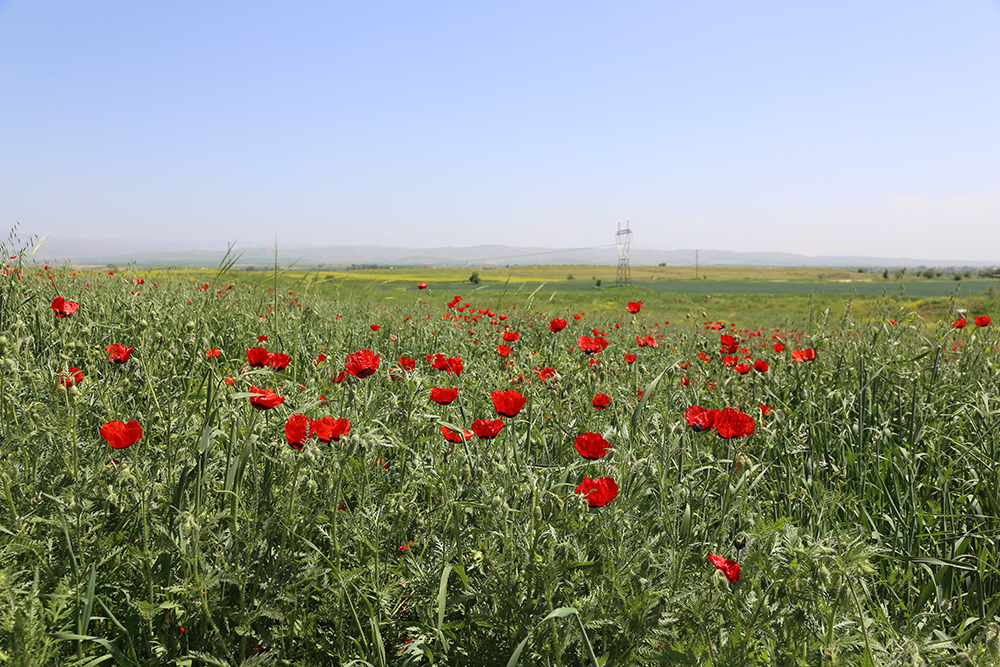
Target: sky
x=820, y=128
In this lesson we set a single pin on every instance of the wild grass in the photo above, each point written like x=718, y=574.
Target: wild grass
x=864, y=509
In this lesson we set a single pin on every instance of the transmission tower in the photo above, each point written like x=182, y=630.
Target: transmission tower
x=623, y=239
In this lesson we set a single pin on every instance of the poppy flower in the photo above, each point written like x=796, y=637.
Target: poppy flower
x=443, y=396
x=557, y=324
x=730, y=360
x=213, y=353
x=601, y=401
x=633, y=306
x=278, y=361
x=598, y=492
x=63, y=308
x=983, y=321
x=700, y=419
x=715, y=326
x=730, y=568
x=446, y=364
x=508, y=403
x=959, y=323
x=258, y=357
x=328, y=429
x=264, y=399
x=118, y=354
x=486, y=429
x=454, y=365
x=804, y=355
x=121, y=435
x=511, y=336
x=455, y=436
x=728, y=343
x=503, y=350
x=297, y=430
x=339, y=378
x=375, y=327
x=545, y=373
x=760, y=366
x=591, y=345
x=731, y=423
x=421, y=285
x=591, y=446
x=629, y=358
x=70, y=376
x=407, y=364
x=362, y=363
x=765, y=409
x=742, y=369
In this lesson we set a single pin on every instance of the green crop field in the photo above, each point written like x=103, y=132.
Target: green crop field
x=308, y=468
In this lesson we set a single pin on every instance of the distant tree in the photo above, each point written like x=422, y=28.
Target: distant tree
x=474, y=278
x=570, y=277
x=598, y=283
x=885, y=274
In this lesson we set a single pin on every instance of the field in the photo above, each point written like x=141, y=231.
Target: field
x=842, y=473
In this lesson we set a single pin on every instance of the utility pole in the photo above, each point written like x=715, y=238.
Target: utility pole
x=623, y=239
x=696, y=265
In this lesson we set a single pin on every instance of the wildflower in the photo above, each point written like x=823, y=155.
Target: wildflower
x=557, y=324
x=297, y=430
x=511, y=336
x=213, y=353
x=742, y=369
x=760, y=366
x=443, y=396
x=545, y=373
x=375, y=327
x=765, y=409
x=700, y=419
x=629, y=358
x=804, y=355
x=591, y=345
x=118, y=354
x=503, y=350
x=278, y=361
x=729, y=343
x=508, y=403
x=72, y=376
x=601, y=401
x=329, y=429
x=264, y=399
x=362, y=363
x=778, y=347
x=258, y=357
x=261, y=339
x=633, y=306
x=407, y=364
x=591, y=446
x=63, y=308
x=983, y=321
x=454, y=436
x=486, y=429
x=731, y=423
x=728, y=567
x=598, y=492
x=959, y=323
x=121, y=435
x=421, y=285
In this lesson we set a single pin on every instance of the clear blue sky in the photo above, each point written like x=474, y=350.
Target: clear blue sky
x=848, y=127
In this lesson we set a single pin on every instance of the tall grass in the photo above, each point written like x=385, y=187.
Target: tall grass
x=865, y=505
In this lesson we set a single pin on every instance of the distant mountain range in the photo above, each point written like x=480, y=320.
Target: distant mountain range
x=149, y=253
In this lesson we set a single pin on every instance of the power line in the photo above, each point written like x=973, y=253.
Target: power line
x=546, y=252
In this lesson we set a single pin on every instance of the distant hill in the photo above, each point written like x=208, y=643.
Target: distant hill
x=149, y=253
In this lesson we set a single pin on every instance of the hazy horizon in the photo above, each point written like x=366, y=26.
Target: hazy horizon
x=862, y=129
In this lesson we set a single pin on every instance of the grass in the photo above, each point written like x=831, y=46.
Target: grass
x=863, y=509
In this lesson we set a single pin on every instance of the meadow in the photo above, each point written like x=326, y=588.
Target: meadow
x=233, y=468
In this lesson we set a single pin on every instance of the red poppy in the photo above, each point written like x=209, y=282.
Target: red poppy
x=70, y=376
x=511, y=336
x=742, y=369
x=421, y=285
x=715, y=326
x=443, y=396
x=983, y=321
x=455, y=436
x=328, y=429
x=592, y=446
x=730, y=568
x=503, y=350
x=407, y=364
x=601, y=401
x=264, y=399
x=557, y=324
x=362, y=363
x=629, y=358
x=258, y=357
x=446, y=364
x=297, y=430
x=213, y=353
x=63, y=308
x=591, y=345
x=804, y=355
x=508, y=403
x=633, y=306
x=121, y=435
x=760, y=366
x=731, y=423
x=959, y=323
x=729, y=343
x=545, y=373
x=278, y=361
x=765, y=409
x=375, y=327
x=598, y=492
x=118, y=354
x=700, y=419
x=261, y=339
x=339, y=378
x=486, y=429
x=778, y=347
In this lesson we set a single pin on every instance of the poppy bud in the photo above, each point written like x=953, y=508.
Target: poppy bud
x=8, y=364
x=143, y=324
x=189, y=325
x=3, y=344
x=73, y=391
x=740, y=542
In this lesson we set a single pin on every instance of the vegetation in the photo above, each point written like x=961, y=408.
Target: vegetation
x=863, y=509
